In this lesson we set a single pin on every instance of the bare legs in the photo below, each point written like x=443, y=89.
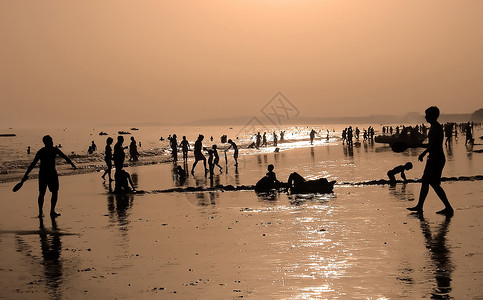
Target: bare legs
x=53, y=203
x=424, y=193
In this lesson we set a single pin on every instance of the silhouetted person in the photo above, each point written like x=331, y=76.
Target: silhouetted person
x=235, y=149
x=180, y=172
x=47, y=173
x=199, y=154
x=93, y=145
x=258, y=140
x=119, y=154
x=399, y=169
x=312, y=136
x=434, y=164
x=89, y=150
x=133, y=150
x=28, y=150
x=216, y=161
x=268, y=182
x=108, y=159
x=282, y=133
x=123, y=182
x=210, y=162
x=185, y=145
x=264, y=139
x=469, y=134
x=275, y=139
x=174, y=147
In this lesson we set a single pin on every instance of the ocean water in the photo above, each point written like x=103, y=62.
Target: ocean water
x=364, y=161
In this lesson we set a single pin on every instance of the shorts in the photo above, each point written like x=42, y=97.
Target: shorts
x=50, y=180
x=433, y=170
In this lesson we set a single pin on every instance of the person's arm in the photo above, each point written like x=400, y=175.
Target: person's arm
x=403, y=176
x=67, y=159
x=30, y=168
x=228, y=148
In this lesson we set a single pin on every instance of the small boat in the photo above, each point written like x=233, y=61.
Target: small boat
x=7, y=134
x=123, y=132
x=321, y=186
x=102, y=133
x=134, y=128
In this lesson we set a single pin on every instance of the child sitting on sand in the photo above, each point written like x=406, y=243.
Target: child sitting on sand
x=399, y=169
x=123, y=180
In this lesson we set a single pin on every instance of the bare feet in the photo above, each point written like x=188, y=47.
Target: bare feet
x=415, y=209
x=446, y=211
x=54, y=214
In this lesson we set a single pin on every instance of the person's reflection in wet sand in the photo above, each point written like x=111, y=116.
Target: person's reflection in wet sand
x=440, y=255
x=312, y=154
x=51, y=246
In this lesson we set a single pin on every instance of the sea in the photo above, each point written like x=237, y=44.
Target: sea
x=153, y=146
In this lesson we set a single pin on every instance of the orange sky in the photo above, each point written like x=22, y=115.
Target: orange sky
x=65, y=63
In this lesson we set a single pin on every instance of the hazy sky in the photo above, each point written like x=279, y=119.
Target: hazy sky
x=91, y=62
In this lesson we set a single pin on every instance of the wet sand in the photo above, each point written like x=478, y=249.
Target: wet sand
x=359, y=242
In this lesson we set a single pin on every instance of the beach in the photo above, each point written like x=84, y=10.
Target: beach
x=358, y=242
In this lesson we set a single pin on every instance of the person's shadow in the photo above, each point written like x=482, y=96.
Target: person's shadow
x=440, y=255
x=51, y=246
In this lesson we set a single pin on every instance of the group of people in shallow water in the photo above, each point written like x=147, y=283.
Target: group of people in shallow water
x=48, y=177
x=348, y=135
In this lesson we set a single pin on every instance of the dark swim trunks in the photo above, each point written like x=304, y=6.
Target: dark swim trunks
x=49, y=179
x=433, y=170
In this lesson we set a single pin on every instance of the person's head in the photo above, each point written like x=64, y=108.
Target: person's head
x=92, y=142
x=109, y=140
x=132, y=138
x=200, y=137
x=432, y=114
x=230, y=141
x=120, y=139
x=184, y=137
x=213, y=147
x=270, y=168
x=174, y=135
x=48, y=142
x=179, y=168
x=408, y=166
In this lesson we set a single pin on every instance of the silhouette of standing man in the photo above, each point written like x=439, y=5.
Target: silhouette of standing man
x=434, y=164
x=47, y=173
x=119, y=154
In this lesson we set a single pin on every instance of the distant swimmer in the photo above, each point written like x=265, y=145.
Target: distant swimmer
x=399, y=169
x=434, y=164
x=108, y=158
x=199, y=154
x=275, y=139
x=185, y=146
x=235, y=149
x=47, y=173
